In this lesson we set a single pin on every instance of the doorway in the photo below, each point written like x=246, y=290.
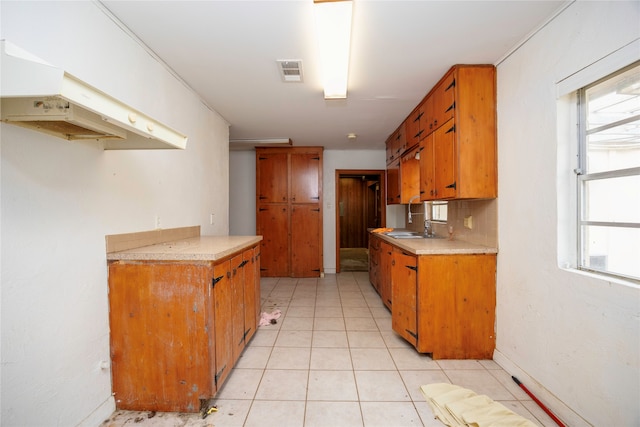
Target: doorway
x=360, y=205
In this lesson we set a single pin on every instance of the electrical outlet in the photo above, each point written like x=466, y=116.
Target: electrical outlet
x=468, y=222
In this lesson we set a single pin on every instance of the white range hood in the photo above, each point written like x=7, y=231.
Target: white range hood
x=45, y=98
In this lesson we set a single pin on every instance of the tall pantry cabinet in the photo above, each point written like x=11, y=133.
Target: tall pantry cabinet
x=289, y=210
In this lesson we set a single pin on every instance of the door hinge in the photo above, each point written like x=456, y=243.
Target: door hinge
x=315, y=210
x=452, y=129
x=315, y=158
x=453, y=84
x=451, y=186
x=413, y=334
x=412, y=267
x=451, y=107
x=219, y=374
x=215, y=280
x=243, y=263
x=262, y=209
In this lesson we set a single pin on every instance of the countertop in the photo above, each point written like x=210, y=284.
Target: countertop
x=201, y=248
x=438, y=246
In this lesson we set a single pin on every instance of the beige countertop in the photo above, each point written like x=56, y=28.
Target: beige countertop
x=438, y=246
x=200, y=248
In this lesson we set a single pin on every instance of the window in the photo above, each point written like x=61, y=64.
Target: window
x=609, y=175
x=439, y=211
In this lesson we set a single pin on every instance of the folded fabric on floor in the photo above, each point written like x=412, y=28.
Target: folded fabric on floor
x=456, y=406
x=267, y=319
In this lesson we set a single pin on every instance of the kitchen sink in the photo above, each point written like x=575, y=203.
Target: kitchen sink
x=411, y=235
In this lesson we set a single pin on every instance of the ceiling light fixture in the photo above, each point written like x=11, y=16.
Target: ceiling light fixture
x=333, y=30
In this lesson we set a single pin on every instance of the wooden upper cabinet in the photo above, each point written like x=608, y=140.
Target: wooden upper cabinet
x=396, y=143
x=305, y=178
x=273, y=179
x=443, y=99
x=459, y=157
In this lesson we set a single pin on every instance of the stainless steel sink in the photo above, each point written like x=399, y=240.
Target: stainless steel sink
x=411, y=235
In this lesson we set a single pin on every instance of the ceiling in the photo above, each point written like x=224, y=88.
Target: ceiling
x=227, y=51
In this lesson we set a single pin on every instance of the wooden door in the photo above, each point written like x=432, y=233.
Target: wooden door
x=238, y=304
x=153, y=308
x=404, y=278
x=223, y=296
x=272, y=177
x=446, y=162
x=251, y=294
x=305, y=178
x=273, y=226
x=353, y=211
x=306, y=241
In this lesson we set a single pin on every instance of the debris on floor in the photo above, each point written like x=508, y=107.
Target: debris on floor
x=269, y=318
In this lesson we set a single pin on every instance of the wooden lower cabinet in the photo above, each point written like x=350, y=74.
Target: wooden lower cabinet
x=178, y=328
x=441, y=304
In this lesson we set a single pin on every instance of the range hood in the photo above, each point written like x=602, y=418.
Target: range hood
x=39, y=96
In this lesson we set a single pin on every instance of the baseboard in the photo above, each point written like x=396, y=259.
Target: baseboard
x=555, y=405
x=100, y=414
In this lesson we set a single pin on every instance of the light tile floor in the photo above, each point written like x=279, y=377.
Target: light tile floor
x=333, y=360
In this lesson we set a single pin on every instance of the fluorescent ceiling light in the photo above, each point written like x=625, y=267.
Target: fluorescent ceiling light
x=333, y=29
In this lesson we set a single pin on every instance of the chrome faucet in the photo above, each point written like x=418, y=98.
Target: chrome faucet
x=409, y=218
x=428, y=230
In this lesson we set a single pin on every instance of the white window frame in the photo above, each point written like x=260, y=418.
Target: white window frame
x=584, y=177
x=567, y=154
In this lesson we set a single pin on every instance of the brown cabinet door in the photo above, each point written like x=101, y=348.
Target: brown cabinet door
x=273, y=226
x=251, y=294
x=306, y=241
x=413, y=126
x=272, y=177
x=446, y=161
x=404, y=278
x=238, y=304
x=409, y=176
x=444, y=100
x=393, y=182
x=223, y=296
x=160, y=324
x=374, y=261
x=305, y=178
x=385, y=274
x=456, y=306
x=427, y=169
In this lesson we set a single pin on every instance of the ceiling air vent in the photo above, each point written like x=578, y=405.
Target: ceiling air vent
x=290, y=70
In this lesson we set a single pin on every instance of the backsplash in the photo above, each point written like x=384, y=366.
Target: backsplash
x=484, y=214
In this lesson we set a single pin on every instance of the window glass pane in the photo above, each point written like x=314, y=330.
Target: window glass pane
x=612, y=249
x=614, y=148
x=613, y=199
x=439, y=211
x=614, y=100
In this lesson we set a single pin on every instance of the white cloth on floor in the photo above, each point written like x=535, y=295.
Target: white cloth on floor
x=456, y=406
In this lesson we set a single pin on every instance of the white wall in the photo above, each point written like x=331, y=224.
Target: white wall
x=59, y=199
x=576, y=335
